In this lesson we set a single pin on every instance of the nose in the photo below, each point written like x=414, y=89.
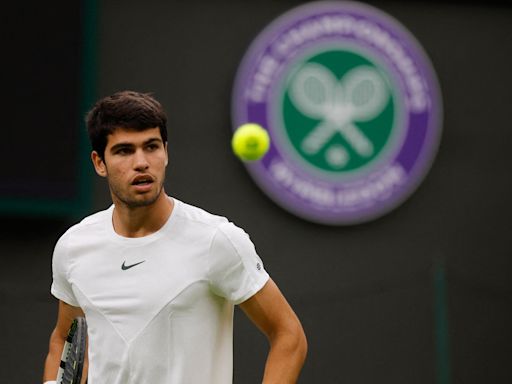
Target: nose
x=140, y=162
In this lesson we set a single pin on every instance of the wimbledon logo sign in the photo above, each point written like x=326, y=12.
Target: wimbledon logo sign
x=352, y=106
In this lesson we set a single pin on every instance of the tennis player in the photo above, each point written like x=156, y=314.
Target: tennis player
x=156, y=278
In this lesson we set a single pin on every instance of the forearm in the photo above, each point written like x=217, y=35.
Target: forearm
x=285, y=359
x=58, y=338
x=52, y=362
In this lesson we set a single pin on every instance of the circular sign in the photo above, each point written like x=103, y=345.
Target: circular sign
x=352, y=106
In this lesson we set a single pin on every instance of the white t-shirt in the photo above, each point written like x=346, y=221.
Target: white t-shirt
x=159, y=308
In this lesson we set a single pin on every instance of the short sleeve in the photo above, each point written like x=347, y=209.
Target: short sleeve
x=61, y=288
x=236, y=271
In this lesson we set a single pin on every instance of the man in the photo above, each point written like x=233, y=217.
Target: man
x=156, y=278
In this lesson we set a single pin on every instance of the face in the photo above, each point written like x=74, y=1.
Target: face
x=134, y=165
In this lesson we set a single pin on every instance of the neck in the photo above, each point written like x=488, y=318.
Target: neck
x=141, y=221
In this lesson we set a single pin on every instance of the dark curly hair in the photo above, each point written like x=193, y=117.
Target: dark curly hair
x=125, y=109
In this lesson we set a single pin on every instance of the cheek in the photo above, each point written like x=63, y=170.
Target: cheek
x=115, y=171
x=160, y=161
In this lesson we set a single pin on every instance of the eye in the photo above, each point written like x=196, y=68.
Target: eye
x=123, y=151
x=152, y=147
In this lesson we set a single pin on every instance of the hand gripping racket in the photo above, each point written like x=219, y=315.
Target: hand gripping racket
x=73, y=354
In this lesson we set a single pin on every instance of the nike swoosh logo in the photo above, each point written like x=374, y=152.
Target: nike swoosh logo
x=124, y=267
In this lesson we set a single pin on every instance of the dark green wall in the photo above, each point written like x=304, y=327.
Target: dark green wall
x=422, y=295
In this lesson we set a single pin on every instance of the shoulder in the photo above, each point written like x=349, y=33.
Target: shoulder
x=86, y=227
x=198, y=217
x=219, y=226
x=216, y=225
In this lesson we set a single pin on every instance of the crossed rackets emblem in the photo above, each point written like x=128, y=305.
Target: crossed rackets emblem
x=360, y=95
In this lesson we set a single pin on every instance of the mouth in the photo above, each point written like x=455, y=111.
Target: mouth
x=142, y=181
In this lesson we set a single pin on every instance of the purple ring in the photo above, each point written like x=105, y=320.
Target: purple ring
x=352, y=24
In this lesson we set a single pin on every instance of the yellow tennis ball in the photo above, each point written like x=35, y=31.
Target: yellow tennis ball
x=250, y=142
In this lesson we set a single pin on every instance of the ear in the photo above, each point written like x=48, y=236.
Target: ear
x=99, y=164
x=166, y=154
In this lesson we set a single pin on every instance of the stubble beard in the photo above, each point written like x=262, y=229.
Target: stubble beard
x=143, y=201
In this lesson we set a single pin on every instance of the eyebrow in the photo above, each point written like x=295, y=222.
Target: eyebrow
x=130, y=145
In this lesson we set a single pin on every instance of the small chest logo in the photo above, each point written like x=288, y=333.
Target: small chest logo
x=124, y=267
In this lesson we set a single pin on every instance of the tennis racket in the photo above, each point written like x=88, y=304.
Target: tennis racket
x=360, y=95
x=73, y=354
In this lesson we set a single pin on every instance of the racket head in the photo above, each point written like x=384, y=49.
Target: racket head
x=366, y=92
x=73, y=354
x=312, y=90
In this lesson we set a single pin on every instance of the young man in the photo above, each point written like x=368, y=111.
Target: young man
x=156, y=278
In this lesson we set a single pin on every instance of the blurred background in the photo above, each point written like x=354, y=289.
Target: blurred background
x=421, y=295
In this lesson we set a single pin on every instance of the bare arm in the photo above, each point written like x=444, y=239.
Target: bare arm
x=271, y=313
x=57, y=339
